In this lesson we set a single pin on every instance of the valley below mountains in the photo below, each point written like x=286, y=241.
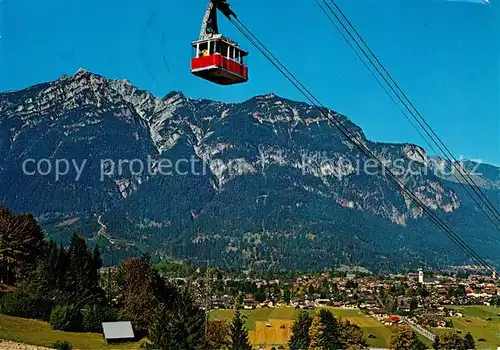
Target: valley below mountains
x=265, y=184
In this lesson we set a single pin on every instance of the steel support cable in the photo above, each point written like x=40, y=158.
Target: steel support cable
x=409, y=101
x=373, y=74
x=346, y=39
x=403, y=98
x=314, y=101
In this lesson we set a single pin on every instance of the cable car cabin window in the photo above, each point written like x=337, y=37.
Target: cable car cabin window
x=237, y=55
x=203, y=50
x=213, y=47
x=224, y=49
x=231, y=52
x=216, y=47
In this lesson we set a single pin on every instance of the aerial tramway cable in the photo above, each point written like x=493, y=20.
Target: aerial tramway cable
x=358, y=143
x=410, y=107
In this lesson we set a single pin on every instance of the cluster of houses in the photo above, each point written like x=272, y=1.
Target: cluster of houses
x=362, y=292
x=430, y=308
x=423, y=301
x=433, y=308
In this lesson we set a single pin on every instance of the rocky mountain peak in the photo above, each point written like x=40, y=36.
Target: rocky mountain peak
x=82, y=71
x=174, y=95
x=277, y=171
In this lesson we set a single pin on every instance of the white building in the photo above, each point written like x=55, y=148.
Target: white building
x=420, y=276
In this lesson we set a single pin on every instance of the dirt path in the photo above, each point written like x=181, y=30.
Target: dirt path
x=10, y=345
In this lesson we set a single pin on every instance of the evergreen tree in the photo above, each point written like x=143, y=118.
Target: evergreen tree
x=95, y=276
x=192, y=318
x=179, y=326
x=413, y=303
x=239, y=333
x=253, y=288
x=300, y=332
x=437, y=343
x=94, y=315
x=43, y=281
x=47, y=281
x=83, y=278
x=393, y=306
x=286, y=294
x=469, y=341
x=96, y=258
x=165, y=333
x=335, y=290
x=311, y=290
x=332, y=331
x=61, y=268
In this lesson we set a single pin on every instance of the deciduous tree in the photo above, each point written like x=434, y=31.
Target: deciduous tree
x=406, y=339
x=469, y=342
x=351, y=335
x=317, y=335
x=21, y=241
x=217, y=335
x=138, y=289
x=452, y=340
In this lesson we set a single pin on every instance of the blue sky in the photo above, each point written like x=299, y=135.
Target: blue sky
x=444, y=54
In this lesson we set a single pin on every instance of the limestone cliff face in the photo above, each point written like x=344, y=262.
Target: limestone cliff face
x=271, y=172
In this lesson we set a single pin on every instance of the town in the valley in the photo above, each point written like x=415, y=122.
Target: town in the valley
x=431, y=303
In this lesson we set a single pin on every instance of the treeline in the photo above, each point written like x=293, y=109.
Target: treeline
x=59, y=284
x=453, y=340
x=406, y=339
x=325, y=331
x=67, y=287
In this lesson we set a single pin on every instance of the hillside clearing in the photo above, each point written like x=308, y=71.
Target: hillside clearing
x=39, y=333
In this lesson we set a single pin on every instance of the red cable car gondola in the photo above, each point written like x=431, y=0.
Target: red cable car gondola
x=217, y=58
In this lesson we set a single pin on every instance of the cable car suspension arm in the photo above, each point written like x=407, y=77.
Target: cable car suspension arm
x=209, y=26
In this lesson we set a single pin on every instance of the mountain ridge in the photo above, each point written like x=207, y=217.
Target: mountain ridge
x=267, y=161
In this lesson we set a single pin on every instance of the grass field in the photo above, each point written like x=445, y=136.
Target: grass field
x=475, y=321
x=39, y=333
x=482, y=312
x=252, y=316
x=281, y=320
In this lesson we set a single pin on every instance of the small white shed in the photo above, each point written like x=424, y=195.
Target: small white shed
x=118, y=331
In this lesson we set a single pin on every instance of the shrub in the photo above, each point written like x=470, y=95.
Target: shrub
x=66, y=318
x=62, y=345
x=95, y=315
x=23, y=305
x=144, y=343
